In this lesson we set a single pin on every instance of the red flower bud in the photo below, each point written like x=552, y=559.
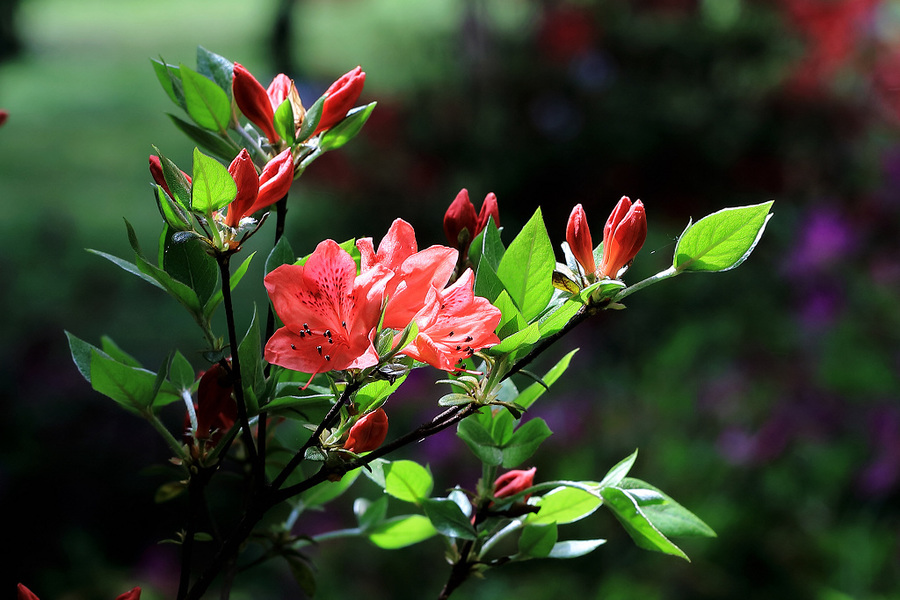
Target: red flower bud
x=340, y=98
x=253, y=100
x=513, y=482
x=216, y=409
x=133, y=594
x=623, y=236
x=157, y=173
x=459, y=216
x=245, y=178
x=4, y=115
x=25, y=594
x=274, y=181
x=489, y=210
x=578, y=236
x=368, y=433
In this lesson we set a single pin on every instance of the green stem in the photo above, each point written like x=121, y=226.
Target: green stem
x=176, y=447
x=668, y=273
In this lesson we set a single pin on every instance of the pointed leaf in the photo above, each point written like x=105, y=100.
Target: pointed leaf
x=524, y=442
x=526, y=268
x=206, y=103
x=213, y=187
x=574, y=548
x=564, y=505
x=347, y=129
x=284, y=121
x=170, y=79
x=127, y=266
x=618, y=472
x=211, y=142
x=281, y=254
x=448, y=519
x=215, y=67
x=667, y=515
x=645, y=535
x=189, y=263
x=538, y=540
x=329, y=490
x=402, y=531
x=721, y=241
x=536, y=390
x=407, y=480
x=480, y=441
x=311, y=120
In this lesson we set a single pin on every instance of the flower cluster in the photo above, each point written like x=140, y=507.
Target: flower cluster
x=331, y=315
x=623, y=236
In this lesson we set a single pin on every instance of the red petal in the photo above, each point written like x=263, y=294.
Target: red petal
x=341, y=96
x=252, y=99
x=274, y=181
x=243, y=172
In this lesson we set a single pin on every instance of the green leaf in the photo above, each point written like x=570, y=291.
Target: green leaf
x=574, y=548
x=448, y=519
x=172, y=212
x=667, y=515
x=185, y=295
x=347, y=129
x=291, y=404
x=526, y=268
x=176, y=181
x=281, y=254
x=213, y=187
x=488, y=246
x=722, y=240
x=250, y=354
x=538, y=540
x=189, y=263
x=181, y=373
x=511, y=320
x=215, y=67
x=133, y=388
x=645, y=535
x=311, y=120
x=534, y=391
x=213, y=143
x=170, y=79
x=524, y=442
x=303, y=574
x=206, y=103
x=407, y=480
x=127, y=266
x=368, y=514
x=564, y=505
x=284, y=121
x=480, y=441
x=402, y=531
x=487, y=283
x=618, y=472
x=81, y=354
x=372, y=394
x=236, y=277
x=329, y=490
x=111, y=349
x=520, y=339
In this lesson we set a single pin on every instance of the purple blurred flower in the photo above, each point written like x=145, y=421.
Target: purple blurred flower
x=825, y=237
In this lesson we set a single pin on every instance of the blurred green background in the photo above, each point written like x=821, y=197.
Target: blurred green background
x=766, y=399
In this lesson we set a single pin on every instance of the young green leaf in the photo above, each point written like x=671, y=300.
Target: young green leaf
x=408, y=481
x=402, y=531
x=480, y=441
x=347, y=129
x=625, y=508
x=564, y=505
x=524, y=442
x=487, y=246
x=215, y=67
x=574, y=548
x=189, y=263
x=618, y=472
x=667, y=515
x=526, y=268
x=213, y=187
x=133, y=388
x=538, y=540
x=181, y=373
x=328, y=491
x=448, y=519
x=284, y=121
x=206, y=103
x=170, y=79
x=721, y=241
x=311, y=120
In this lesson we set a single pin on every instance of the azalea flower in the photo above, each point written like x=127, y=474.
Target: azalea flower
x=453, y=325
x=329, y=313
x=415, y=273
x=368, y=433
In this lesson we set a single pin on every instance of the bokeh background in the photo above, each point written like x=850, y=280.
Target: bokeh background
x=764, y=399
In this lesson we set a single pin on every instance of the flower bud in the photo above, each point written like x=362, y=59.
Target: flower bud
x=274, y=181
x=23, y=593
x=460, y=216
x=623, y=236
x=245, y=178
x=368, y=433
x=156, y=172
x=578, y=236
x=340, y=98
x=216, y=409
x=253, y=100
x=282, y=88
x=489, y=210
x=513, y=482
x=133, y=594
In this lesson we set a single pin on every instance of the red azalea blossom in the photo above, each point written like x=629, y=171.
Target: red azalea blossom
x=415, y=273
x=578, y=236
x=329, y=313
x=368, y=433
x=454, y=324
x=623, y=235
x=255, y=193
x=513, y=482
x=340, y=98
